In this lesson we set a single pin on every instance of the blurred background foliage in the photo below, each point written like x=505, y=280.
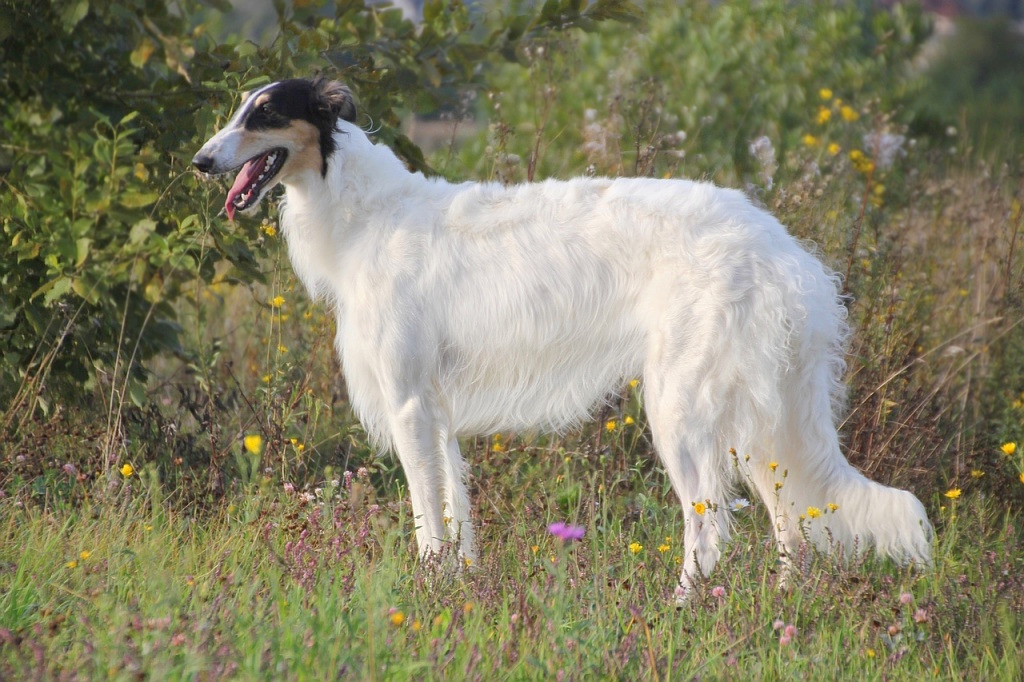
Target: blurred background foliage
x=129, y=304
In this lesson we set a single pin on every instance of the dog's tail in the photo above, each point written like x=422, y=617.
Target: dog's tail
x=816, y=494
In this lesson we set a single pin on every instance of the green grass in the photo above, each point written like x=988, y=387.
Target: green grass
x=271, y=585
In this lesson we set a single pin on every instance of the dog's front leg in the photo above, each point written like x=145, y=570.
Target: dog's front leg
x=414, y=431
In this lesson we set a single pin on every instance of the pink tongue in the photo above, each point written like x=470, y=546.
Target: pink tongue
x=243, y=181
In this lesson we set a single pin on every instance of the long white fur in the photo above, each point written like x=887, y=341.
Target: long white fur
x=473, y=308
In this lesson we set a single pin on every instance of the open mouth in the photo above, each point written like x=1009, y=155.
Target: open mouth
x=252, y=179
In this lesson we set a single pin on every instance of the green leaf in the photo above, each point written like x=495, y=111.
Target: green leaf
x=141, y=230
x=73, y=13
x=132, y=199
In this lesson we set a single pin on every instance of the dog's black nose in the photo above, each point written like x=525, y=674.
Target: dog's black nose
x=202, y=162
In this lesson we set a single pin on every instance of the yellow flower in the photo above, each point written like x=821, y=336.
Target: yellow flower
x=84, y=555
x=266, y=378
x=870, y=653
x=1008, y=448
x=977, y=473
x=810, y=140
x=269, y=230
x=610, y=425
x=535, y=548
x=467, y=607
x=127, y=470
x=832, y=506
x=1021, y=477
x=953, y=493
x=834, y=148
x=71, y=564
x=856, y=155
x=498, y=447
x=628, y=421
x=825, y=94
x=397, y=618
x=813, y=512
x=773, y=465
x=416, y=625
x=700, y=508
x=277, y=301
x=253, y=443
x=848, y=113
x=633, y=383
x=824, y=114
x=635, y=547
x=282, y=349
x=663, y=548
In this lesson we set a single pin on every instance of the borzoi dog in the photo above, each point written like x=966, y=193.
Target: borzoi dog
x=472, y=308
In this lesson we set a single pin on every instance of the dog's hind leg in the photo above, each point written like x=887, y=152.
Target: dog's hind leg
x=685, y=437
x=415, y=433
x=457, y=504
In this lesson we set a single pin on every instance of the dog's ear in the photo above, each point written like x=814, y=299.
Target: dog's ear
x=334, y=100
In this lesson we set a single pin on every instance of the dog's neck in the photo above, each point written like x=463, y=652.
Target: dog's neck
x=364, y=189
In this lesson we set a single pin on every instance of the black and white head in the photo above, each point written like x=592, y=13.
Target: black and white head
x=281, y=131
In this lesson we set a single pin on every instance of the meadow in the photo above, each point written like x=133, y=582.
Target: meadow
x=185, y=493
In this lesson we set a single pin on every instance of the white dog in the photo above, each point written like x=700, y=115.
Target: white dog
x=472, y=308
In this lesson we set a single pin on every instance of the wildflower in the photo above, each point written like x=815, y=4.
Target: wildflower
x=825, y=94
x=790, y=631
x=266, y=378
x=277, y=301
x=920, y=616
x=496, y=443
x=870, y=653
x=848, y=113
x=610, y=425
x=635, y=547
x=127, y=470
x=953, y=493
x=773, y=465
x=663, y=547
x=810, y=140
x=396, y=617
x=633, y=383
x=84, y=555
x=833, y=148
x=906, y=598
x=1008, y=448
x=282, y=349
x=718, y=591
x=190, y=581
x=885, y=147
x=148, y=527
x=416, y=625
x=977, y=473
x=813, y=512
x=1021, y=477
x=269, y=230
x=467, y=607
x=71, y=564
x=824, y=114
x=628, y=421
x=253, y=443
x=700, y=508
x=784, y=640
x=566, y=532
x=739, y=504
x=778, y=624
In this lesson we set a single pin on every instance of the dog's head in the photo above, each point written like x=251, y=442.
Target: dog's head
x=280, y=131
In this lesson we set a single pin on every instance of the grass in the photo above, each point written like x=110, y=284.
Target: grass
x=305, y=584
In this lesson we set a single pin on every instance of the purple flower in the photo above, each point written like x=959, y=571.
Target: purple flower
x=564, y=531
